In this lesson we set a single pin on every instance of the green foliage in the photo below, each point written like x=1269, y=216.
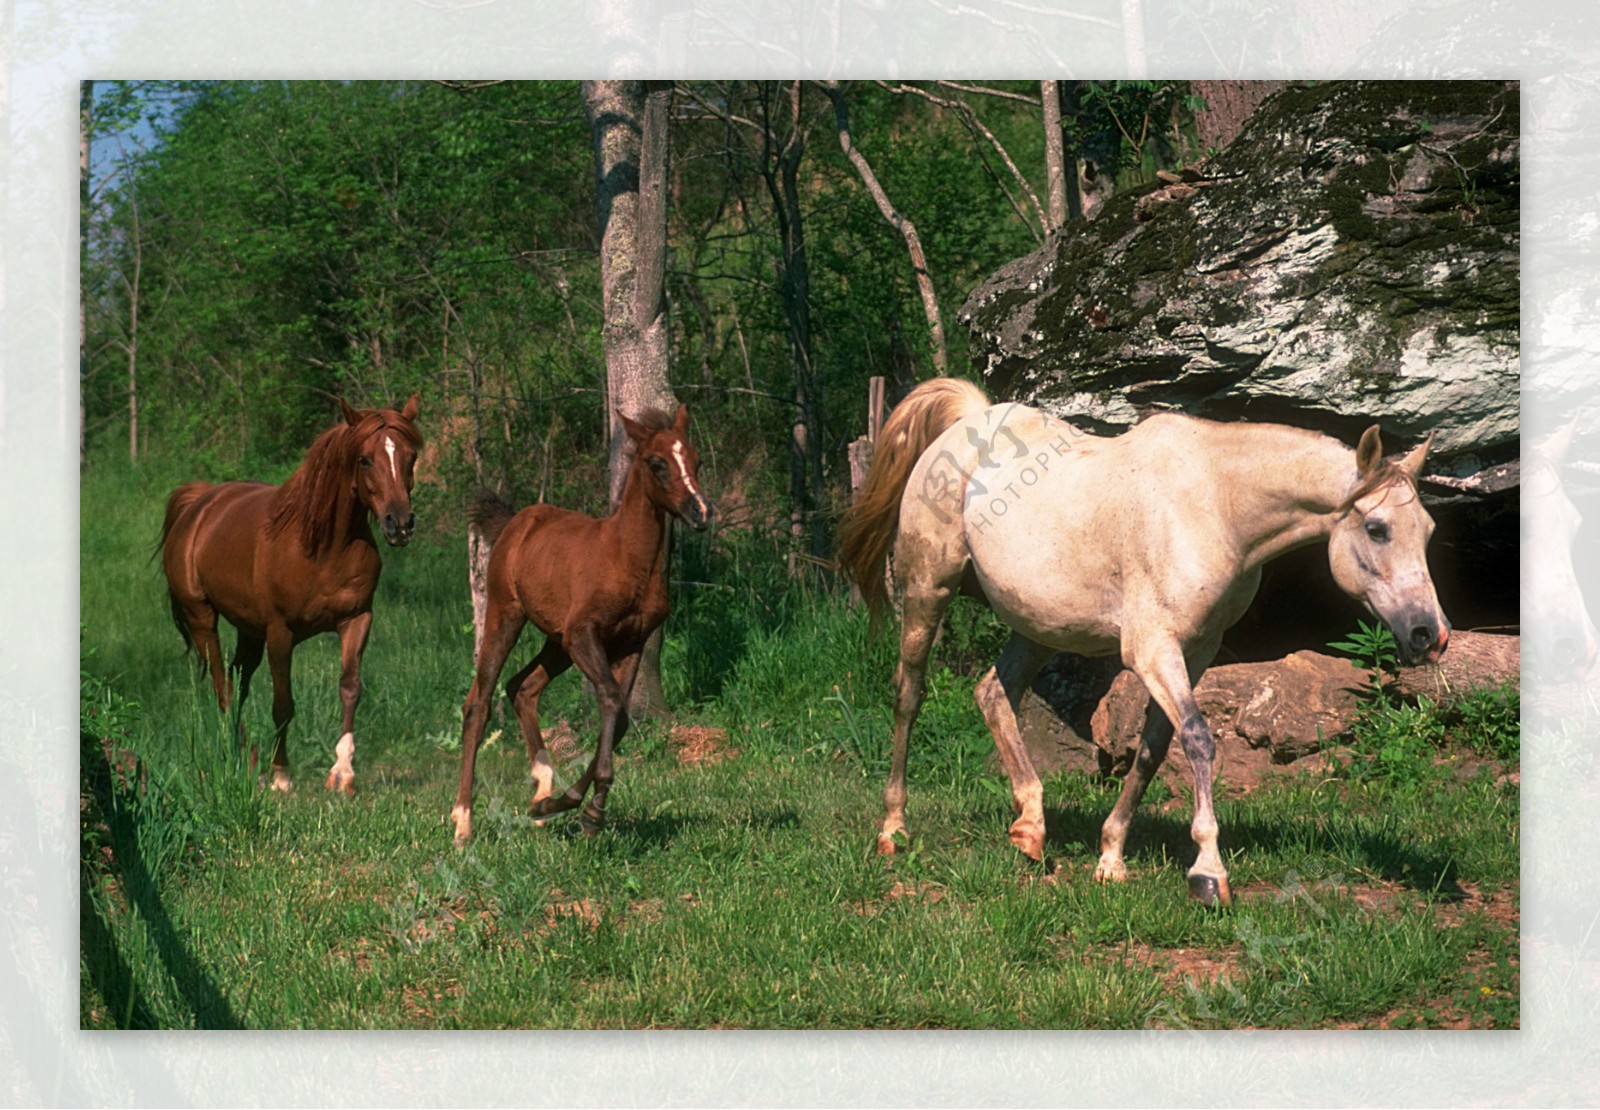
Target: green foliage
x=1374, y=647
x=1400, y=742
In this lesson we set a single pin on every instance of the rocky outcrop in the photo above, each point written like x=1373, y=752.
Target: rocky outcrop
x=1084, y=716
x=1352, y=257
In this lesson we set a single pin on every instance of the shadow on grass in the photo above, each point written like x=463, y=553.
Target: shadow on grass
x=1155, y=836
x=119, y=805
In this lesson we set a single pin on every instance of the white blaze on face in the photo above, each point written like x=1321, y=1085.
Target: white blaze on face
x=388, y=447
x=683, y=469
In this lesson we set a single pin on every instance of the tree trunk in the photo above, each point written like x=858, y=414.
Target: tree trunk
x=628, y=125
x=1229, y=105
x=1055, y=157
x=900, y=221
x=794, y=285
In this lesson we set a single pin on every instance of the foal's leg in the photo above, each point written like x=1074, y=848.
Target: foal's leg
x=1170, y=679
x=352, y=642
x=524, y=689
x=998, y=694
x=280, y=650
x=593, y=818
x=501, y=628
x=588, y=652
x=925, y=605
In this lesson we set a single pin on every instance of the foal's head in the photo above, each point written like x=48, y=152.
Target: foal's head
x=671, y=467
x=1378, y=549
x=384, y=444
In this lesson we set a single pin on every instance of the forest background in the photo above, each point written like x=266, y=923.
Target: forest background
x=255, y=250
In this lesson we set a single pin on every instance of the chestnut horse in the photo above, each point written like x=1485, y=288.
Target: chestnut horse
x=1149, y=544
x=284, y=563
x=597, y=589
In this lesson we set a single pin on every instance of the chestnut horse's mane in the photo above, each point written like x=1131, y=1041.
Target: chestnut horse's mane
x=319, y=496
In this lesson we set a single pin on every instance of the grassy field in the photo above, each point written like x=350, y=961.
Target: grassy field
x=735, y=885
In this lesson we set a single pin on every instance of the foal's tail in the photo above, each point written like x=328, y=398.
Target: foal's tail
x=490, y=513
x=178, y=503
x=869, y=527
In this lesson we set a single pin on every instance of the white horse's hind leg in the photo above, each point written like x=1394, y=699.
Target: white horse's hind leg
x=998, y=694
x=925, y=606
x=1153, y=744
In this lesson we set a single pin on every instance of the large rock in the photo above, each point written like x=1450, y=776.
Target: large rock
x=1352, y=256
x=1087, y=715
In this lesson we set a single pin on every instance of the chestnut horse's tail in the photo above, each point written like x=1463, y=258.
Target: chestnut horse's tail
x=178, y=504
x=869, y=527
x=490, y=513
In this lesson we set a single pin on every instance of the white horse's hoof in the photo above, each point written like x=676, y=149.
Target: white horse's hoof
x=1111, y=871
x=1210, y=891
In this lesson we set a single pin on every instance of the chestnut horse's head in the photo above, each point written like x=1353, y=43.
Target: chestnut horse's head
x=385, y=445
x=1378, y=549
x=671, y=466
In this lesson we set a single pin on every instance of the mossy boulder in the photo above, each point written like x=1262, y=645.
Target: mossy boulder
x=1351, y=257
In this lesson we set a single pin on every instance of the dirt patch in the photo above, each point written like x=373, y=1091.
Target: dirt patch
x=585, y=911
x=698, y=745
x=925, y=893
x=421, y=1002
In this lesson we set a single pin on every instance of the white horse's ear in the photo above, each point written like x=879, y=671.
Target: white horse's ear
x=1369, y=452
x=1412, y=463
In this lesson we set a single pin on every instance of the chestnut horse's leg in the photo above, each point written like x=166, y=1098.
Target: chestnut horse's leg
x=998, y=694
x=1170, y=676
x=246, y=660
x=201, y=620
x=524, y=689
x=352, y=642
x=280, y=651
x=502, y=626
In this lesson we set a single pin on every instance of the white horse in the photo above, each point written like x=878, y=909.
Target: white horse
x=1149, y=544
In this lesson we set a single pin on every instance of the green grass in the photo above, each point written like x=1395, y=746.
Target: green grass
x=738, y=893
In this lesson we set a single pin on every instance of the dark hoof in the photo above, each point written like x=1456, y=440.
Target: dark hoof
x=1209, y=891
x=591, y=823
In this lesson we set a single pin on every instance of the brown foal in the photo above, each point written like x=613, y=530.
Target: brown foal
x=597, y=589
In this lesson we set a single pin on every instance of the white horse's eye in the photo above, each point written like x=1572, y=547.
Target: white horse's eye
x=1377, y=531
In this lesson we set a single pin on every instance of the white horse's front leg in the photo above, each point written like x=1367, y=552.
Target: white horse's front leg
x=1170, y=679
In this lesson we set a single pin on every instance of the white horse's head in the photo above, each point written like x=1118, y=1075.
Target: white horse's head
x=1561, y=637
x=1378, y=549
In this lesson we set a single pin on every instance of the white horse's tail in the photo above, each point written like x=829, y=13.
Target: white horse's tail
x=869, y=527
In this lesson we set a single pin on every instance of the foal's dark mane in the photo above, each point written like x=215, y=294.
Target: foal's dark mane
x=657, y=420
x=320, y=495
